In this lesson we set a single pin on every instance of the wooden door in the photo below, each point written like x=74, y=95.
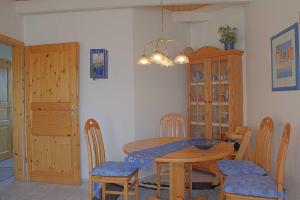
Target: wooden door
x=5, y=110
x=51, y=93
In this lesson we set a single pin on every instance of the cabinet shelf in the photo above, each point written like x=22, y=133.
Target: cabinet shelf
x=198, y=123
x=220, y=103
x=221, y=124
x=194, y=103
x=197, y=83
x=220, y=82
x=202, y=103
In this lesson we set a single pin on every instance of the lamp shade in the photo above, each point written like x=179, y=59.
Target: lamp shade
x=181, y=59
x=157, y=57
x=143, y=60
x=167, y=62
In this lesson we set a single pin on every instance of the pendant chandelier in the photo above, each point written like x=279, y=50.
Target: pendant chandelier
x=158, y=50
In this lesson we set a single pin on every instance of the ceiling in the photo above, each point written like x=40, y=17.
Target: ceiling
x=27, y=7
x=175, y=8
x=183, y=8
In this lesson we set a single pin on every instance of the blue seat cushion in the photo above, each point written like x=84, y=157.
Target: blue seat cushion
x=240, y=167
x=112, y=168
x=252, y=185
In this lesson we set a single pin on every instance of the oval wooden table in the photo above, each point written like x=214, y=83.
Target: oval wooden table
x=177, y=160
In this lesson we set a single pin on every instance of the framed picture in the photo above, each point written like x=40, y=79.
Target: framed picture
x=285, y=59
x=98, y=64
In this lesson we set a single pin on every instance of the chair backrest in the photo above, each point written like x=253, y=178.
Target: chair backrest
x=281, y=157
x=264, y=143
x=241, y=130
x=94, y=143
x=244, y=144
x=172, y=125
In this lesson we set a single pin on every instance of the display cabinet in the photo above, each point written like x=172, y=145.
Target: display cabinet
x=215, y=92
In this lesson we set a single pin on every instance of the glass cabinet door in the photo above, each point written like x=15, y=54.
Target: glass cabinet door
x=197, y=100
x=219, y=98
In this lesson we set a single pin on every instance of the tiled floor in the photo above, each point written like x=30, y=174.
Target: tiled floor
x=41, y=191
x=11, y=190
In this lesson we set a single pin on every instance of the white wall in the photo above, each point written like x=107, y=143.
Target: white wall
x=131, y=101
x=157, y=90
x=10, y=23
x=110, y=101
x=205, y=34
x=265, y=18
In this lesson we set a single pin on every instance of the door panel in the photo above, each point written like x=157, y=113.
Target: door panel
x=51, y=113
x=5, y=110
x=52, y=120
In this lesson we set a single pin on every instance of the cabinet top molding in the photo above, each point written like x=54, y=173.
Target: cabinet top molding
x=210, y=52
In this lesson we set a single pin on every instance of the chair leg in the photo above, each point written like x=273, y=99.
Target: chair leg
x=126, y=191
x=221, y=178
x=158, y=171
x=190, y=180
x=90, y=189
x=136, y=186
x=103, y=191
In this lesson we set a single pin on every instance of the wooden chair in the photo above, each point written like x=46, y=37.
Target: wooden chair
x=259, y=164
x=106, y=172
x=243, y=153
x=264, y=144
x=172, y=125
x=250, y=187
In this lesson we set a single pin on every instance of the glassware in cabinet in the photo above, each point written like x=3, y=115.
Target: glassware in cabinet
x=197, y=73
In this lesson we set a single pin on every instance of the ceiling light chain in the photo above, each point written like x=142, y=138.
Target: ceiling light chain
x=162, y=18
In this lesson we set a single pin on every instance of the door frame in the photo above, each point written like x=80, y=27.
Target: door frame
x=18, y=115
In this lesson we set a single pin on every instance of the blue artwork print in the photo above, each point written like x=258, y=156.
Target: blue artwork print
x=98, y=64
x=284, y=59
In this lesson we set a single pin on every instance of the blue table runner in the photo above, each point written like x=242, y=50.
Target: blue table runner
x=144, y=158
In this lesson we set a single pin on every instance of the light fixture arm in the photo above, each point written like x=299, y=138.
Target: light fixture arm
x=155, y=44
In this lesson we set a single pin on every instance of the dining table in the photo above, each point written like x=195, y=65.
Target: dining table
x=178, y=159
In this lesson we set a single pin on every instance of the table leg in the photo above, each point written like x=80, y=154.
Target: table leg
x=177, y=181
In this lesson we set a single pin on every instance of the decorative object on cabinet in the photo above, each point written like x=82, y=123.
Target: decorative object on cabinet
x=98, y=64
x=215, y=92
x=228, y=36
x=285, y=59
x=160, y=48
x=235, y=137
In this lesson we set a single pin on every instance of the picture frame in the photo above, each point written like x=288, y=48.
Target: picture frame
x=98, y=64
x=285, y=59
